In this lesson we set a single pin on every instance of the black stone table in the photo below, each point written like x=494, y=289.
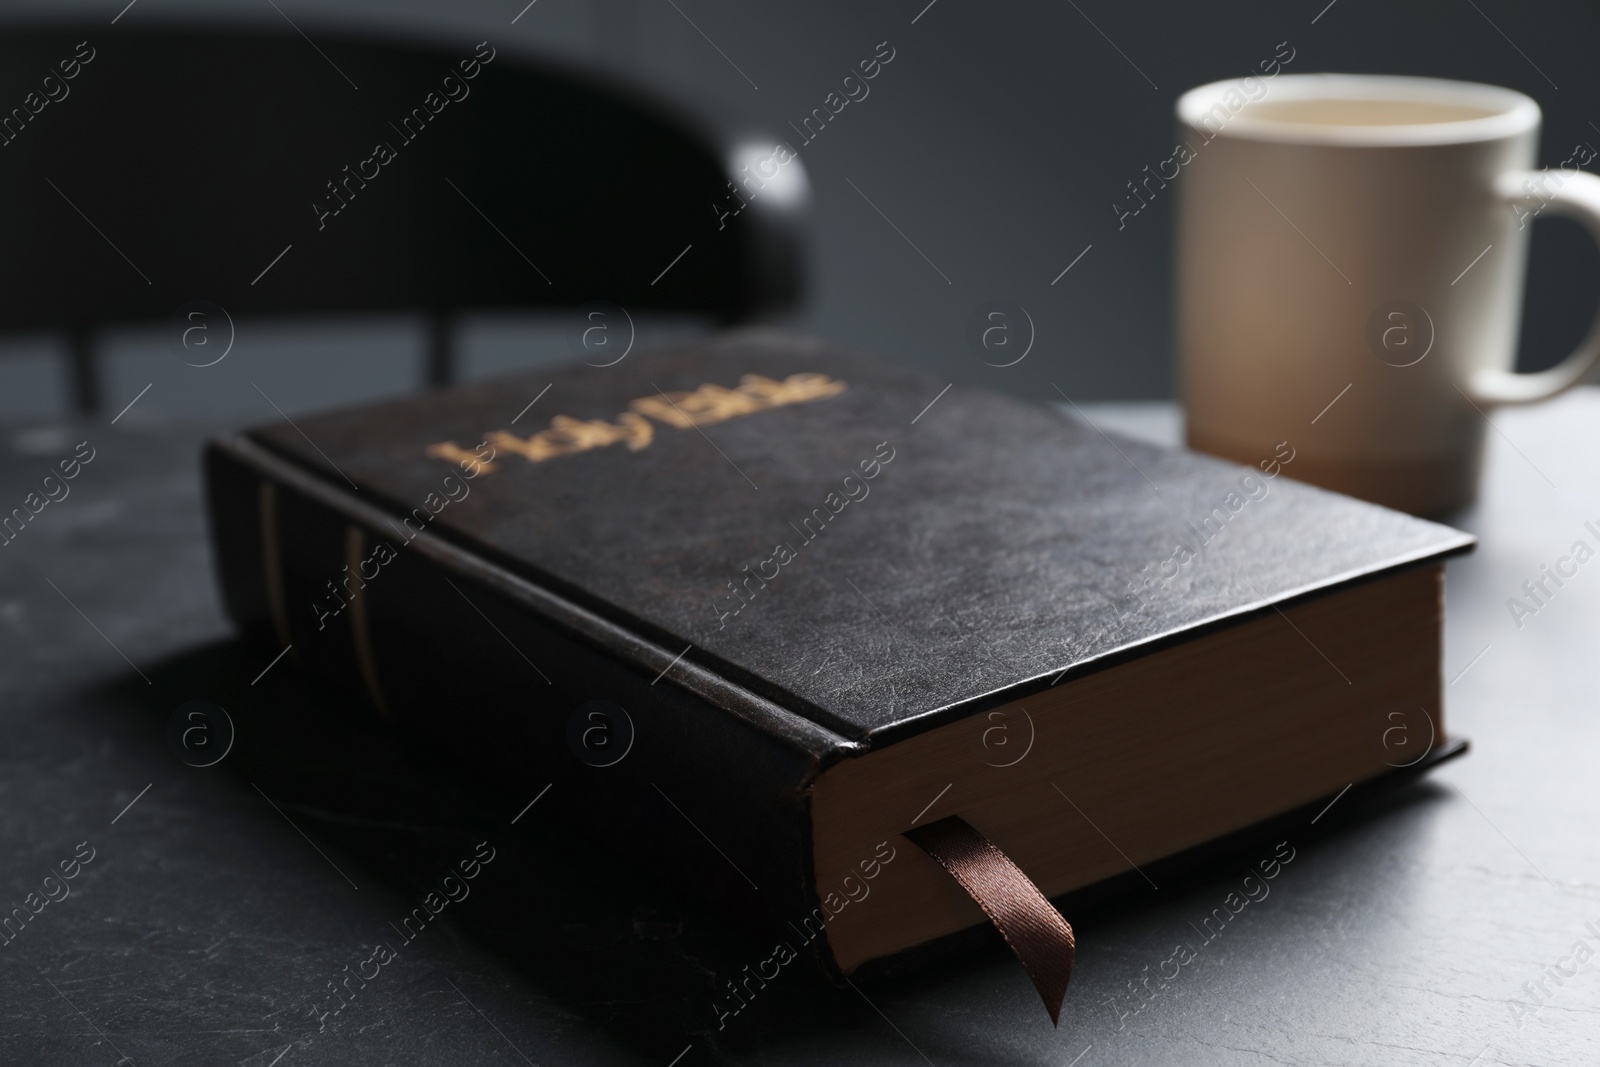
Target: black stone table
x=1449, y=923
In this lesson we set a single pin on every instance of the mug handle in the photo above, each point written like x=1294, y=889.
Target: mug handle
x=1578, y=197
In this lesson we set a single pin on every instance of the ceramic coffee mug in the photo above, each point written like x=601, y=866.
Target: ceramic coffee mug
x=1350, y=268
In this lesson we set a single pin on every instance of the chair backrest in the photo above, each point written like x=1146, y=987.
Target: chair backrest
x=270, y=172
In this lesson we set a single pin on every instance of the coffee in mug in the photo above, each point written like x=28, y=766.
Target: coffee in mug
x=1351, y=256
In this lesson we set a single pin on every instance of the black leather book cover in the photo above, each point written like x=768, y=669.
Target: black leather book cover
x=844, y=537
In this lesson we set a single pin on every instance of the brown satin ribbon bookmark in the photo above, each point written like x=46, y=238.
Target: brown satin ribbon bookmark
x=1038, y=935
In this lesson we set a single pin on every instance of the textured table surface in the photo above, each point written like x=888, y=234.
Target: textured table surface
x=1430, y=927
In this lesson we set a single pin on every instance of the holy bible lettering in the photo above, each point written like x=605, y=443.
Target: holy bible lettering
x=704, y=406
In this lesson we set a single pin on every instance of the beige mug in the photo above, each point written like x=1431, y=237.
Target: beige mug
x=1351, y=253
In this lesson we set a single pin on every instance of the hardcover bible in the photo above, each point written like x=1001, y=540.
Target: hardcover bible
x=835, y=616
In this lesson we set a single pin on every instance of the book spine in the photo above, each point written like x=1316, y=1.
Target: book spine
x=457, y=651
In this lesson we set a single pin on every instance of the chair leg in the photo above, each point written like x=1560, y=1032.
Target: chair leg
x=81, y=375
x=441, y=350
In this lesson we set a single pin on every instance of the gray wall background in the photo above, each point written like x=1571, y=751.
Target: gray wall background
x=995, y=141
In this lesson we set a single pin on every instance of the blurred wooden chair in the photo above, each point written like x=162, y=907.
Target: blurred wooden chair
x=274, y=174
